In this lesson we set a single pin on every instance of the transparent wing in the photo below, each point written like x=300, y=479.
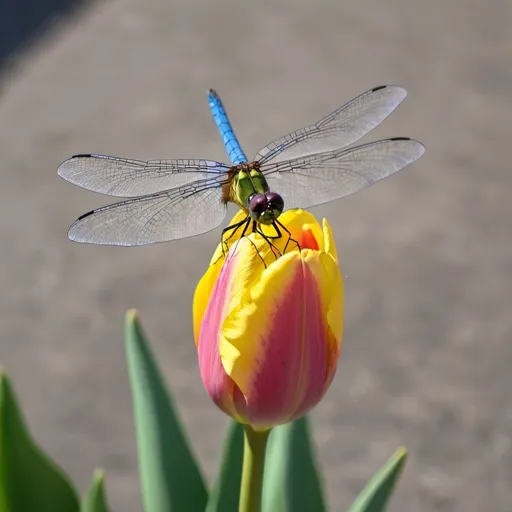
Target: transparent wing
x=317, y=179
x=186, y=211
x=131, y=178
x=339, y=129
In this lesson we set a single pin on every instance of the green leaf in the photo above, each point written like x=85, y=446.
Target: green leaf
x=170, y=477
x=291, y=480
x=376, y=493
x=225, y=494
x=96, y=500
x=29, y=479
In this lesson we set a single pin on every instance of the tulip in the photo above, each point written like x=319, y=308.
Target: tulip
x=268, y=325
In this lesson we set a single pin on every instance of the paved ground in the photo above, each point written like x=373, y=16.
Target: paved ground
x=427, y=255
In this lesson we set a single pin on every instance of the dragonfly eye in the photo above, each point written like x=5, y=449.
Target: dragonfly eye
x=258, y=203
x=275, y=201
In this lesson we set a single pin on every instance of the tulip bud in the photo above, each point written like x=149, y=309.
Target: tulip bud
x=268, y=327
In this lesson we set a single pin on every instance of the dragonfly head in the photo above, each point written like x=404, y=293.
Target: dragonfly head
x=265, y=208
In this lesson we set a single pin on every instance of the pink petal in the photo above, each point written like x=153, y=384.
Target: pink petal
x=295, y=365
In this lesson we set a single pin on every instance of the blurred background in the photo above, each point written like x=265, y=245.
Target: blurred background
x=427, y=255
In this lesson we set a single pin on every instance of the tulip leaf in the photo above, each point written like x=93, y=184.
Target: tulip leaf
x=96, y=500
x=171, y=480
x=291, y=479
x=376, y=493
x=29, y=479
x=225, y=495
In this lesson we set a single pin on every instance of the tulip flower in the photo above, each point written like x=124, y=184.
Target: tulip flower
x=268, y=325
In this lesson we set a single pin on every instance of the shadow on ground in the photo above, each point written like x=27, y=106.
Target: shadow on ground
x=23, y=21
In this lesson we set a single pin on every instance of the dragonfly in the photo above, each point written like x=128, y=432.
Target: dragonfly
x=171, y=199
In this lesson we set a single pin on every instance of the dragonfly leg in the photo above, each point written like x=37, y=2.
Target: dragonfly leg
x=275, y=251
x=278, y=235
x=254, y=228
x=276, y=225
x=246, y=223
x=258, y=252
x=233, y=228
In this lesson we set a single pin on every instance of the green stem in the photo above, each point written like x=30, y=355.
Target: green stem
x=255, y=444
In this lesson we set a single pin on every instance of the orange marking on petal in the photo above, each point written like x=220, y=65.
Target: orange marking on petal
x=308, y=240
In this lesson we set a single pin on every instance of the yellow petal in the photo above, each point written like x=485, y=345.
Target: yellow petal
x=329, y=242
x=247, y=267
x=202, y=296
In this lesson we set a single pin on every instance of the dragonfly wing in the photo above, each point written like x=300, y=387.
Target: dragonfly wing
x=179, y=213
x=339, y=129
x=122, y=177
x=317, y=179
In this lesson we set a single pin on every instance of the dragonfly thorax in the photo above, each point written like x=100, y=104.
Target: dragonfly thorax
x=265, y=208
x=249, y=189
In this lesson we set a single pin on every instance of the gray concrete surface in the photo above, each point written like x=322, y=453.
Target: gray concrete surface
x=427, y=255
